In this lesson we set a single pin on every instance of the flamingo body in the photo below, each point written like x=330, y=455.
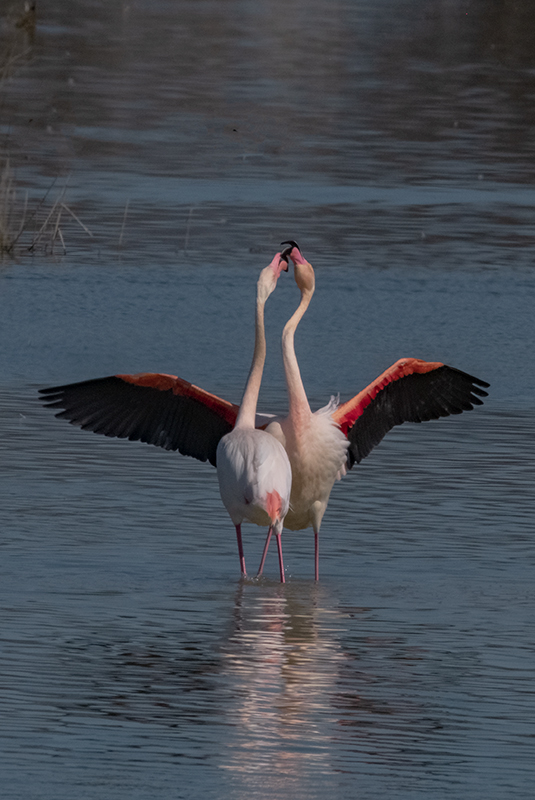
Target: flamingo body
x=321, y=446
x=253, y=469
x=317, y=450
x=254, y=478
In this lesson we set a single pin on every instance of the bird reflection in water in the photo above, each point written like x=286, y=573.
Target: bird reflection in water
x=302, y=708
x=282, y=662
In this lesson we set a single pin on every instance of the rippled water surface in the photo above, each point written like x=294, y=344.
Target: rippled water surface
x=394, y=140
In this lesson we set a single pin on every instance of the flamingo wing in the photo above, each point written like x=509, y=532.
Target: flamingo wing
x=410, y=390
x=150, y=407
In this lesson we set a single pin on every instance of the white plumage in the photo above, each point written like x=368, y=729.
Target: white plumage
x=317, y=450
x=250, y=471
x=254, y=472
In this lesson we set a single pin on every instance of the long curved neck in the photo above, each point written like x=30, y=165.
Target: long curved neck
x=298, y=400
x=247, y=412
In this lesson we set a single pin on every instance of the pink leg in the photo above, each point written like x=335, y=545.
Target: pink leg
x=240, y=550
x=316, y=556
x=264, y=554
x=281, y=565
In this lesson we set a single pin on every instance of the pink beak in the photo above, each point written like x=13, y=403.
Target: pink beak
x=279, y=264
x=296, y=256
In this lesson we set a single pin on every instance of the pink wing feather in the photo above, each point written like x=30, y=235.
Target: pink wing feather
x=411, y=390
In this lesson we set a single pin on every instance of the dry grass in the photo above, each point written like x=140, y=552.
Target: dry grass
x=17, y=45
x=50, y=231
x=25, y=229
x=12, y=213
x=12, y=59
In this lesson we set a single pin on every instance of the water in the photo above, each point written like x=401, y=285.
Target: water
x=394, y=142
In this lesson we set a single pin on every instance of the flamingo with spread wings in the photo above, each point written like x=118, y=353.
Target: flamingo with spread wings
x=169, y=412
x=321, y=446
x=253, y=469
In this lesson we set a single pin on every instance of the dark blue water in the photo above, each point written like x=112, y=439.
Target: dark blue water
x=394, y=141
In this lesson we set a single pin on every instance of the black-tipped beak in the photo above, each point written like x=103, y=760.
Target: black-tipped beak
x=290, y=244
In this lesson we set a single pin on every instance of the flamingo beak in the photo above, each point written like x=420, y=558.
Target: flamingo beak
x=292, y=250
x=279, y=264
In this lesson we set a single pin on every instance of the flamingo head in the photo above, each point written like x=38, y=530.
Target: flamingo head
x=303, y=271
x=270, y=275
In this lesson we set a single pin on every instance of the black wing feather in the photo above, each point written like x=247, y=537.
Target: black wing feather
x=113, y=407
x=414, y=398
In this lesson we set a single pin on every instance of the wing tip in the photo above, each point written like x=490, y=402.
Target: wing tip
x=478, y=382
x=47, y=390
x=471, y=378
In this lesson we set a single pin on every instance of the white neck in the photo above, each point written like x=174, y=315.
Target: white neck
x=298, y=400
x=247, y=412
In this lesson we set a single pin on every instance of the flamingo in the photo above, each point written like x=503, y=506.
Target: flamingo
x=172, y=413
x=253, y=469
x=323, y=445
